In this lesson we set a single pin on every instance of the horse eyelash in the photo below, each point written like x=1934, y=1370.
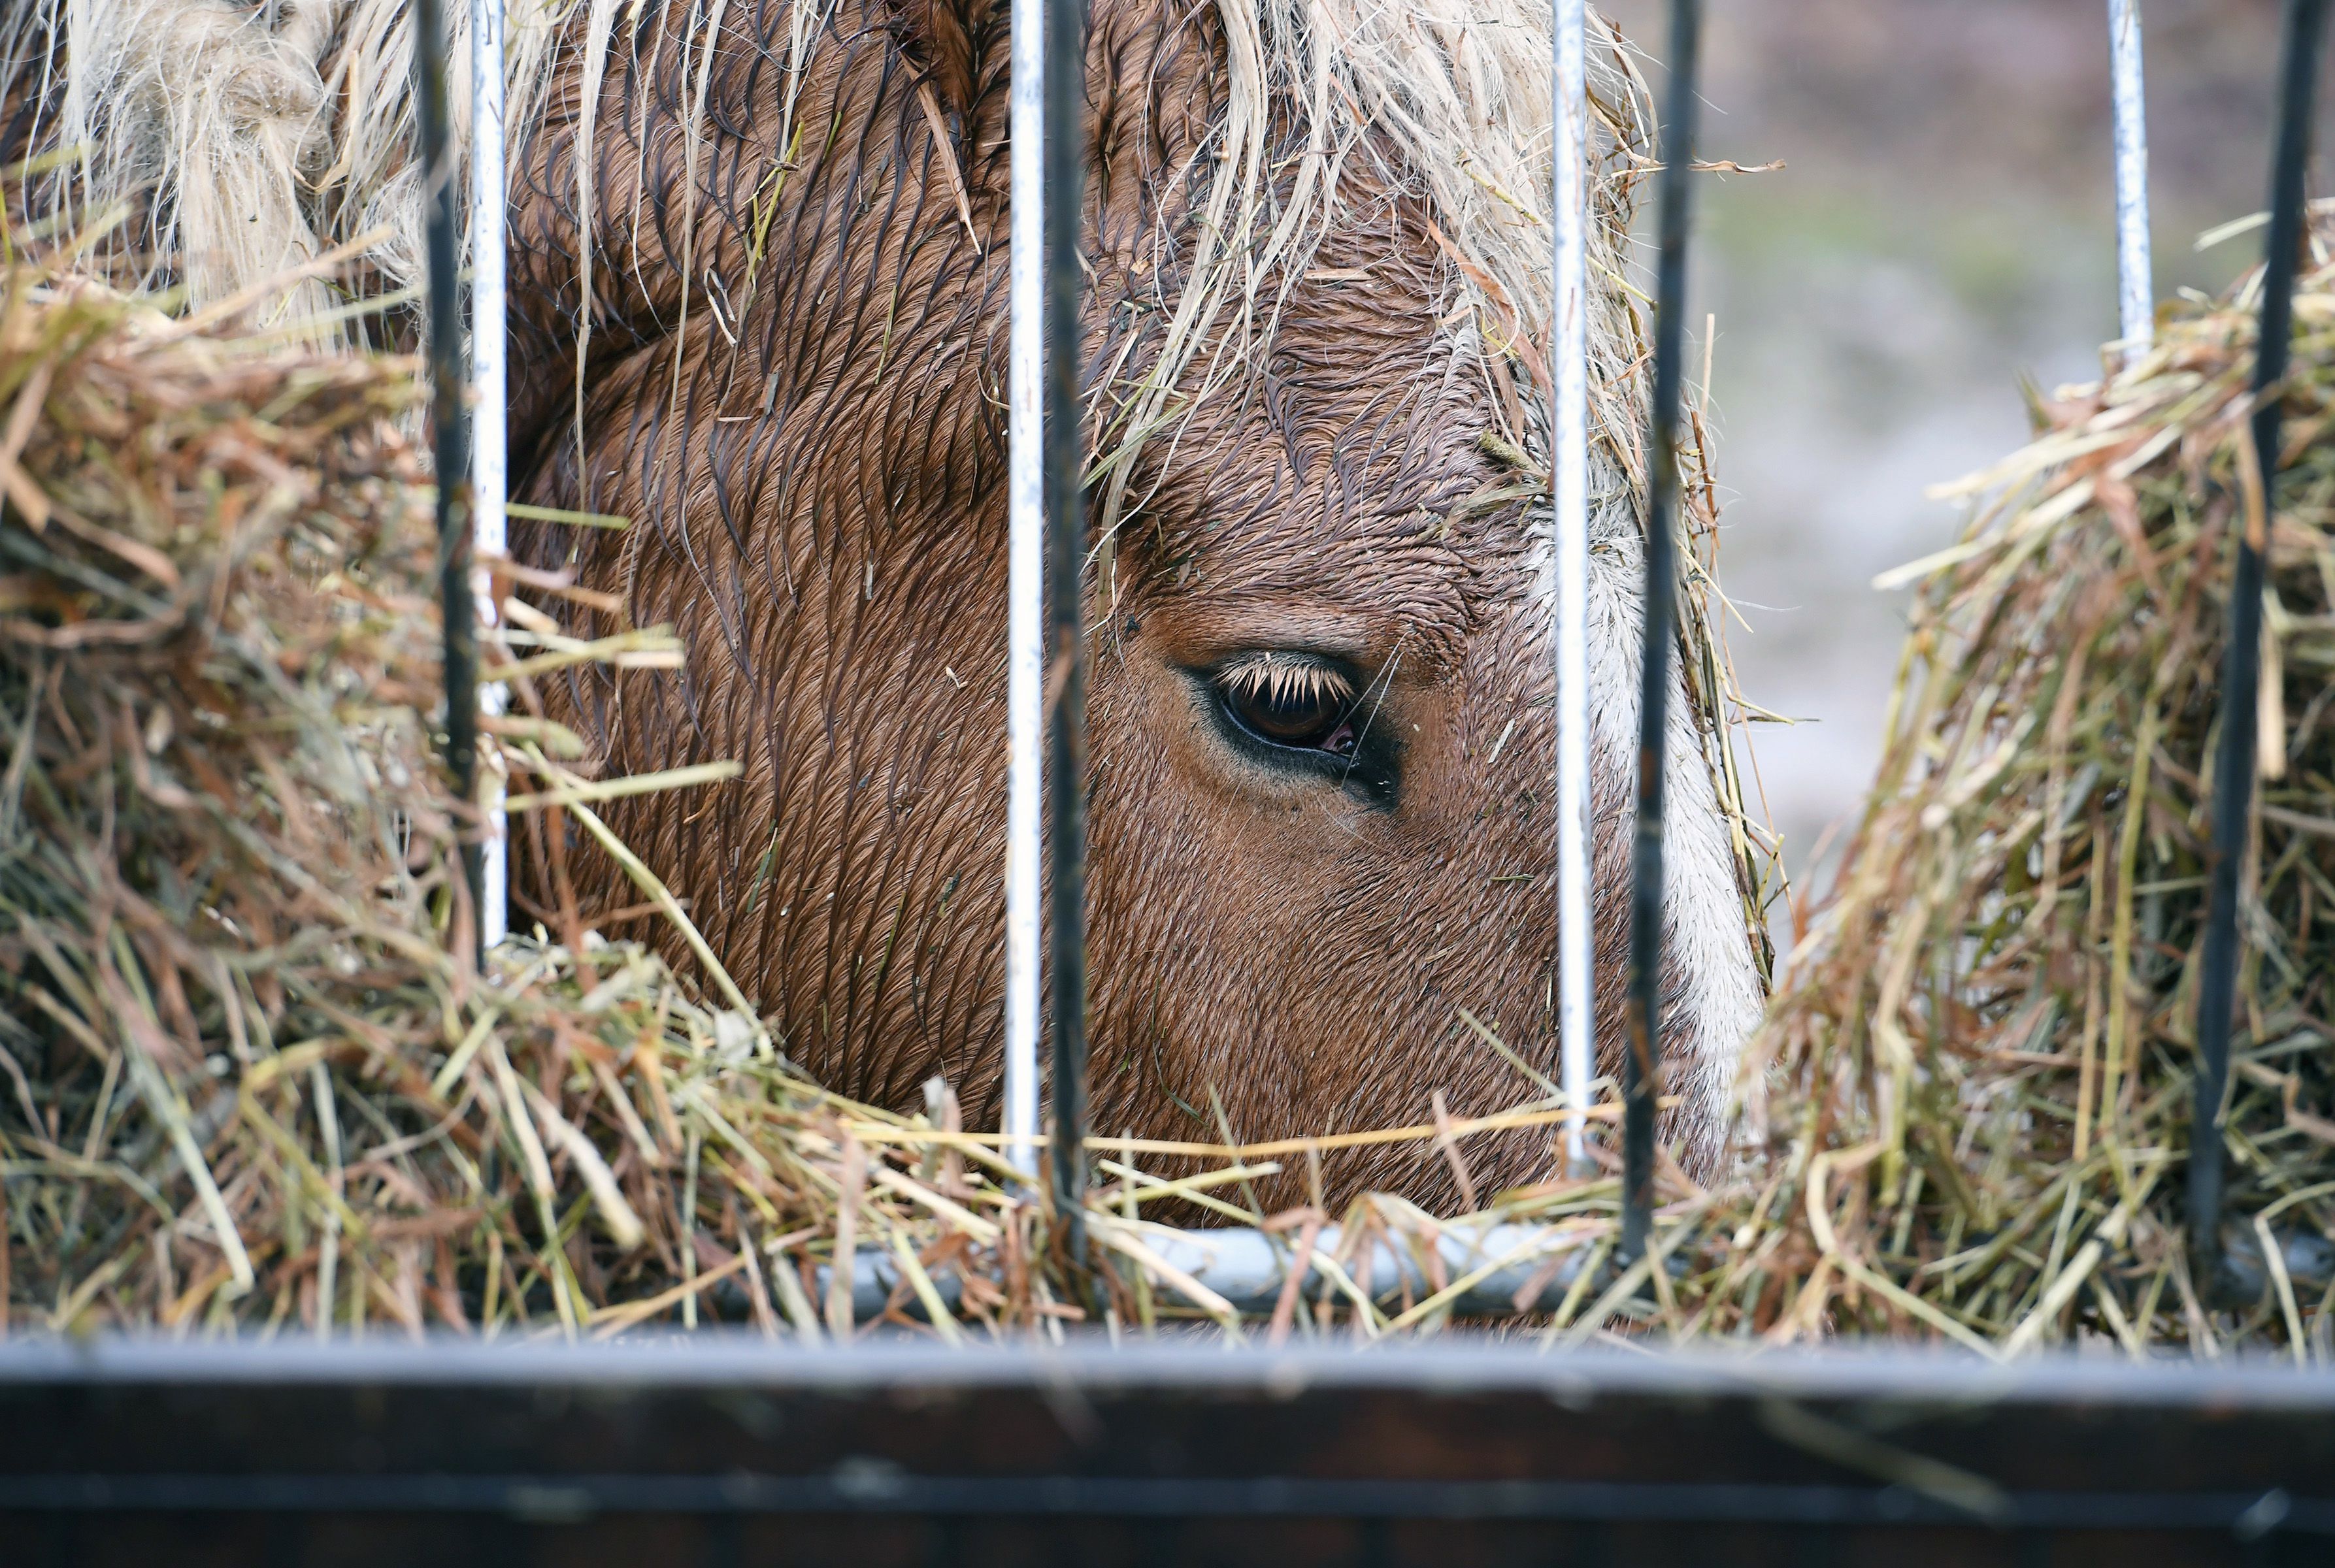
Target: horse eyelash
x=1283, y=677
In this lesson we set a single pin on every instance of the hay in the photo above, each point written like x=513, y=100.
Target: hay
x=1978, y=1069
x=249, y=1084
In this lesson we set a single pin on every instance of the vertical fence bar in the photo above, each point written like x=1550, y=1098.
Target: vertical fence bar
x=450, y=419
x=2136, y=290
x=1569, y=441
x=1066, y=83
x=1025, y=655
x=2234, y=761
x=488, y=399
x=1641, y=1070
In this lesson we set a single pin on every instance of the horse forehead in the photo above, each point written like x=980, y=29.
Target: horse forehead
x=1373, y=475
x=1413, y=581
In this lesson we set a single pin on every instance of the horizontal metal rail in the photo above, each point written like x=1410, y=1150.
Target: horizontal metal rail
x=239, y=1442
x=573, y=1498
x=1491, y=1262
x=1945, y=1383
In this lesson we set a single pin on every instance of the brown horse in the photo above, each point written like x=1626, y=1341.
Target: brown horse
x=757, y=282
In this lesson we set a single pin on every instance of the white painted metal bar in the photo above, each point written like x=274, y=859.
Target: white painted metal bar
x=2135, y=291
x=1570, y=443
x=490, y=474
x=1492, y=1263
x=1025, y=653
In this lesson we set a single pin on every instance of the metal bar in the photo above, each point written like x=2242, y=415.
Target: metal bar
x=559, y=1499
x=1066, y=84
x=1709, y=1379
x=544, y=1434
x=1576, y=950
x=490, y=463
x=451, y=422
x=1026, y=655
x=1247, y=1267
x=2233, y=763
x=2135, y=291
x=1641, y=1069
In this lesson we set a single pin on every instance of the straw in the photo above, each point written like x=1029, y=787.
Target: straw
x=1979, y=1061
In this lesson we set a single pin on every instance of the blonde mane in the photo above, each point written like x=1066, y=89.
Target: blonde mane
x=250, y=141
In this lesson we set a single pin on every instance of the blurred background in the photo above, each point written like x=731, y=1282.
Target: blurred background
x=1944, y=225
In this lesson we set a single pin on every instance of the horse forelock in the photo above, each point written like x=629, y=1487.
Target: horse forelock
x=1330, y=106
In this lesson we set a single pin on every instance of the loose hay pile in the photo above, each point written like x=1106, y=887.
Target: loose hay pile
x=248, y=1083
x=1980, y=1065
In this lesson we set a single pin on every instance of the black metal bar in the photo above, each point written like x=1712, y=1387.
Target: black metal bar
x=442, y=195
x=1066, y=542
x=420, y=1447
x=1641, y=1007
x=2233, y=763
x=570, y=1497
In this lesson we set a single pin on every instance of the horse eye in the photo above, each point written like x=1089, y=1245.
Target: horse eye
x=1304, y=707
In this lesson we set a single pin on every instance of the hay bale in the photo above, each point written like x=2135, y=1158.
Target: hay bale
x=1979, y=1066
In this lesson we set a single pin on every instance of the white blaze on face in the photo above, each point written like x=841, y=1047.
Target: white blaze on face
x=1712, y=999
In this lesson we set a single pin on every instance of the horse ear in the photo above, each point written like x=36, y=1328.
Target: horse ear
x=962, y=46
